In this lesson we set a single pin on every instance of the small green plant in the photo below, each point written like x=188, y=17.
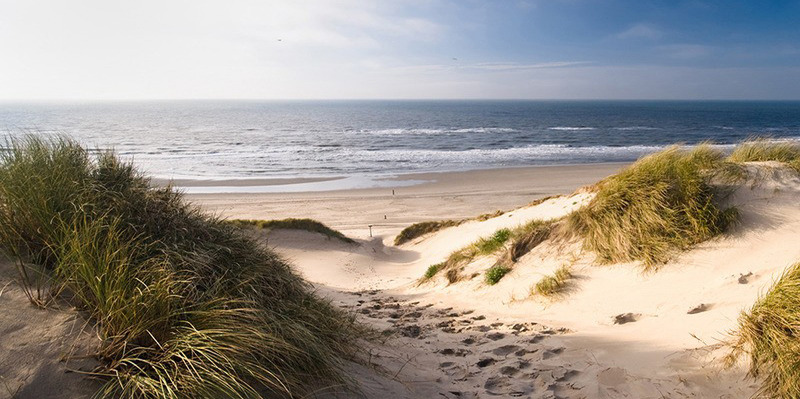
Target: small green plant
x=293, y=224
x=432, y=270
x=768, y=334
x=495, y=273
x=553, y=284
x=488, y=245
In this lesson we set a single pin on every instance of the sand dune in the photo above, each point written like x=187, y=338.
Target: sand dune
x=617, y=332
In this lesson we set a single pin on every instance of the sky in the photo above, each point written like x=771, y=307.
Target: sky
x=399, y=49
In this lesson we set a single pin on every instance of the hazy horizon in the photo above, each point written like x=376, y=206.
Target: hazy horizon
x=89, y=50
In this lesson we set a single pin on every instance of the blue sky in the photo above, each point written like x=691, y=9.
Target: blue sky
x=538, y=49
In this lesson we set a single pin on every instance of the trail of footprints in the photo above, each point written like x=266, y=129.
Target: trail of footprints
x=468, y=351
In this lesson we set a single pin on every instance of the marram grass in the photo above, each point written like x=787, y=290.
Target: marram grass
x=763, y=149
x=553, y=284
x=185, y=305
x=419, y=229
x=769, y=334
x=661, y=204
x=518, y=241
x=293, y=224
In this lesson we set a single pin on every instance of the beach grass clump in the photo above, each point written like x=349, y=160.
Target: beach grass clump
x=488, y=245
x=553, y=284
x=185, y=305
x=662, y=203
x=293, y=224
x=763, y=150
x=522, y=240
x=432, y=270
x=420, y=229
x=768, y=334
x=491, y=215
x=495, y=273
x=529, y=236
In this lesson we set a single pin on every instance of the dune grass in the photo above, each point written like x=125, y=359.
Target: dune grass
x=293, y=224
x=495, y=273
x=422, y=228
x=554, y=284
x=520, y=240
x=768, y=334
x=663, y=203
x=185, y=305
x=764, y=149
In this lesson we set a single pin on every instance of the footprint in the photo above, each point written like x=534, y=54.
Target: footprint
x=745, y=278
x=496, y=336
x=626, y=318
x=509, y=371
x=505, y=350
x=552, y=353
x=699, y=308
x=486, y=362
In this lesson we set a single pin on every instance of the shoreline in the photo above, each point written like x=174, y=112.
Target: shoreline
x=259, y=185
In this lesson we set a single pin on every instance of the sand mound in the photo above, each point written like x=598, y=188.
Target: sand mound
x=621, y=332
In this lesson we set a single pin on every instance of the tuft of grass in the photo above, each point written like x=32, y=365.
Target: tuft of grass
x=420, y=229
x=553, y=284
x=768, y=334
x=523, y=239
x=662, y=203
x=495, y=273
x=488, y=245
x=185, y=305
x=491, y=215
x=542, y=200
x=293, y=224
x=763, y=149
x=432, y=270
x=528, y=237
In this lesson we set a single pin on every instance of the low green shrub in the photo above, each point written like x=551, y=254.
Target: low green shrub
x=495, y=273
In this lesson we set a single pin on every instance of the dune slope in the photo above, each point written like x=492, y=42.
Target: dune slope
x=615, y=332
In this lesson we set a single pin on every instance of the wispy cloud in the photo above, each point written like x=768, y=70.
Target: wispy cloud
x=685, y=51
x=641, y=31
x=488, y=66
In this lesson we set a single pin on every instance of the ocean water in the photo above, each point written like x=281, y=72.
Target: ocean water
x=268, y=139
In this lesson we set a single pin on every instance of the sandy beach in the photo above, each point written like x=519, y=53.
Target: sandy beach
x=617, y=332
x=446, y=195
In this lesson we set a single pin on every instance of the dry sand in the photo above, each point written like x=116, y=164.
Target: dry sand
x=617, y=332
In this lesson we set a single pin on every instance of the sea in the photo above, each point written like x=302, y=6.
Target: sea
x=289, y=139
